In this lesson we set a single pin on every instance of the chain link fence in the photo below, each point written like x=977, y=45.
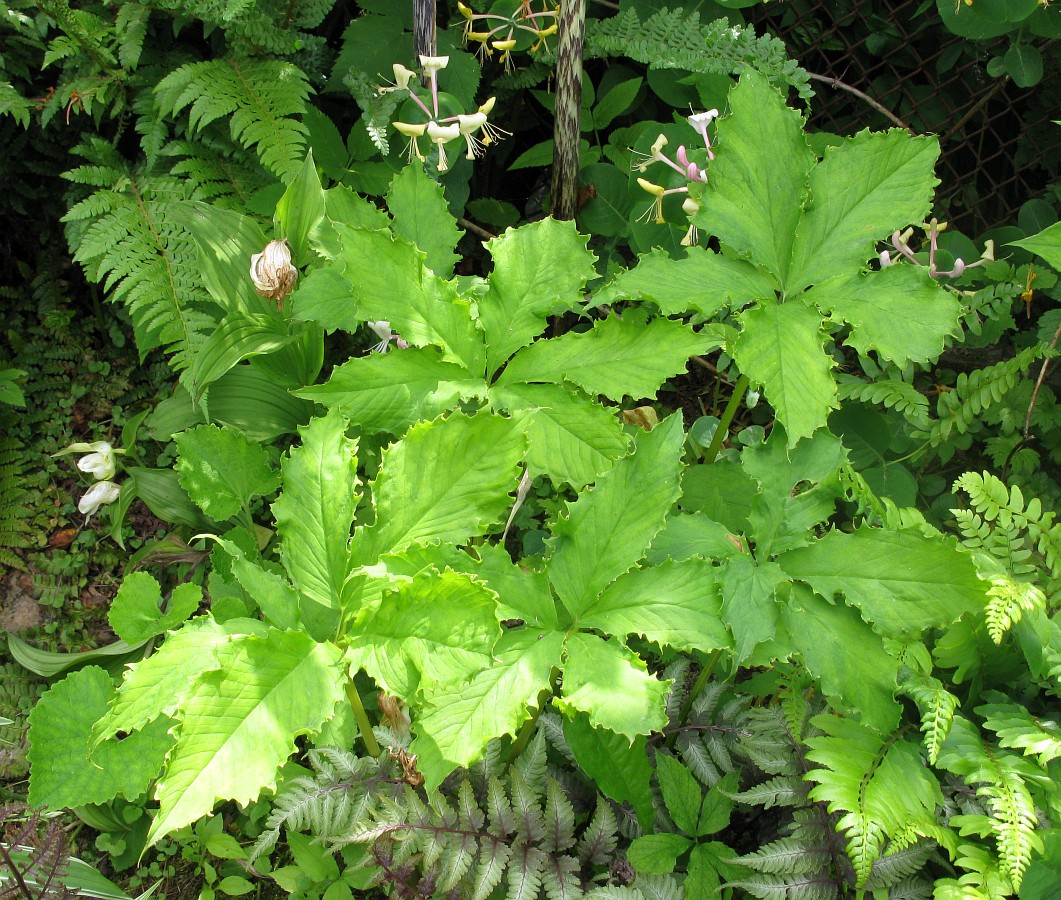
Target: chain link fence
x=1000, y=146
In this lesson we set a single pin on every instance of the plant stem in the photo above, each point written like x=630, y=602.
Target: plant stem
x=687, y=704
x=727, y=418
x=567, y=128
x=363, y=724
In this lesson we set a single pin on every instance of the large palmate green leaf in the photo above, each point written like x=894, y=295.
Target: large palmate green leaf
x=240, y=722
x=422, y=217
x=781, y=347
x=455, y=729
x=222, y=470
x=314, y=513
x=277, y=599
x=612, y=686
x=430, y=634
x=66, y=769
x=863, y=189
x=524, y=594
x=399, y=288
x=754, y=194
x=900, y=312
x=608, y=529
x=703, y=281
x=446, y=480
x=852, y=666
x=674, y=603
x=136, y=612
x=569, y=437
x=901, y=581
x=539, y=270
x=388, y=392
x=618, y=357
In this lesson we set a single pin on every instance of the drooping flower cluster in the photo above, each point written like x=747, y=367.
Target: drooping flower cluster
x=683, y=165
x=435, y=115
x=510, y=25
x=933, y=229
x=100, y=462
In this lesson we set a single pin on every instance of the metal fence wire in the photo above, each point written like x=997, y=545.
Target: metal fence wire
x=1000, y=146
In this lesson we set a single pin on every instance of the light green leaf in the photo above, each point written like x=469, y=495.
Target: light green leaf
x=429, y=635
x=608, y=529
x=227, y=240
x=681, y=792
x=657, y=854
x=863, y=189
x=852, y=666
x=694, y=535
x=758, y=179
x=900, y=312
x=222, y=470
x=388, y=392
x=703, y=281
x=238, y=337
x=422, y=217
x=539, y=270
x=569, y=437
x=300, y=210
x=240, y=723
x=400, y=289
x=159, y=685
x=279, y=602
x=65, y=769
x=495, y=702
x=620, y=770
x=781, y=347
x=616, y=358
x=674, y=603
x=344, y=207
x=1047, y=244
x=314, y=513
x=255, y=404
x=136, y=612
x=326, y=297
x=438, y=484
x=612, y=686
x=749, y=604
x=901, y=581
x=161, y=491
x=523, y=594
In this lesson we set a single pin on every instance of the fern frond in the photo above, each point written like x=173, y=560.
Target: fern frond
x=1010, y=599
x=781, y=790
x=788, y=856
x=782, y=887
x=891, y=393
x=936, y=705
x=1019, y=729
x=16, y=532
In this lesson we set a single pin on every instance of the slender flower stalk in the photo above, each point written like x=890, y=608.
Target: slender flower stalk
x=933, y=229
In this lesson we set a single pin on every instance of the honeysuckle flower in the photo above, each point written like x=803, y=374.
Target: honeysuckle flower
x=382, y=328
x=412, y=132
x=933, y=228
x=100, y=464
x=402, y=77
x=100, y=494
x=477, y=121
x=700, y=121
x=432, y=64
x=272, y=272
x=509, y=32
x=441, y=135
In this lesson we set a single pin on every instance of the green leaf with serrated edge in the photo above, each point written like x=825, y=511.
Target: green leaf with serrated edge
x=749, y=604
x=326, y=297
x=65, y=769
x=620, y=770
x=900, y=312
x=704, y=282
x=612, y=686
x=674, y=603
x=422, y=217
x=240, y=722
x=136, y=611
x=300, y=210
x=438, y=484
x=227, y=240
x=400, y=289
x=607, y=530
x=539, y=270
x=852, y=666
x=343, y=206
x=616, y=358
x=274, y=595
x=902, y=582
x=434, y=632
x=570, y=438
x=314, y=513
x=681, y=792
x=863, y=189
x=159, y=685
x=222, y=470
x=656, y=854
x=523, y=594
x=495, y=702
x=702, y=878
x=693, y=535
x=1047, y=244
x=758, y=178
x=238, y=337
x=388, y=392
x=718, y=806
x=780, y=346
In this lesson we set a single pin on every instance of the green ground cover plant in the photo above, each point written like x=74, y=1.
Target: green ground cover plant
x=485, y=609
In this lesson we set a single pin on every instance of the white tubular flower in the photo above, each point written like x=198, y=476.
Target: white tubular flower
x=272, y=272
x=433, y=64
x=383, y=331
x=100, y=494
x=442, y=135
x=101, y=463
x=402, y=77
x=412, y=132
